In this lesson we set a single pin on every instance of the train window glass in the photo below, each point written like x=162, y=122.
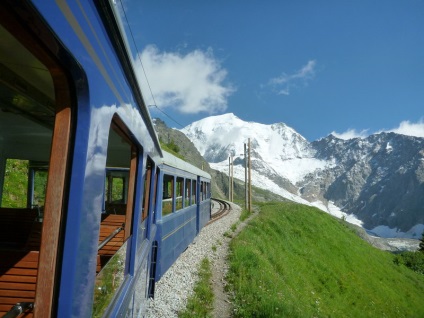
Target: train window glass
x=39, y=187
x=116, y=188
x=187, y=196
x=202, y=185
x=15, y=184
x=168, y=194
x=115, y=225
x=146, y=194
x=155, y=193
x=179, y=193
x=194, y=196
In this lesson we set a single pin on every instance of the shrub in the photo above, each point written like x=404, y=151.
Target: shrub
x=412, y=260
x=421, y=248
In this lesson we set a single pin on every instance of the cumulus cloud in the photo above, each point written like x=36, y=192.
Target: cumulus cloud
x=285, y=82
x=350, y=134
x=410, y=129
x=190, y=83
x=405, y=128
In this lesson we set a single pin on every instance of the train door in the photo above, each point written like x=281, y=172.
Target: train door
x=35, y=127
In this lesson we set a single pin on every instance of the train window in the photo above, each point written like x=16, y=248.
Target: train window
x=37, y=185
x=179, y=193
x=187, y=196
x=34, y=101
x=194, y=195
x=116, y=223
x=15, y=193
x=146, y=194
x=116, y=190
x=202, y=192
x=155, y=193
x=168, y=194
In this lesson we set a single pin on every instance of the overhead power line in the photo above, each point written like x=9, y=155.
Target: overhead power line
x=144, y=71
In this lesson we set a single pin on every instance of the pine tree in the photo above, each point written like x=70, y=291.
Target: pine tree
x=421, y=249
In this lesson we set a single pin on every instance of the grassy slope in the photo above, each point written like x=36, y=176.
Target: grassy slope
x=296, y=261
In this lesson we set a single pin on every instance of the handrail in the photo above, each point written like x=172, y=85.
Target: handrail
x=110, y=236
x=18, y=309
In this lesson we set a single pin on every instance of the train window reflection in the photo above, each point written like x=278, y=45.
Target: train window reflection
x=187, y=192
x=194, y=187
x=116, y=222
x=179, y=193
x=146, y=194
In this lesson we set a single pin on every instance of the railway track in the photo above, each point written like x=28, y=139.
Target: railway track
x=223, y=210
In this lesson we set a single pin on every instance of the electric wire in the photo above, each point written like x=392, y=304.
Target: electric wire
x=144, y=71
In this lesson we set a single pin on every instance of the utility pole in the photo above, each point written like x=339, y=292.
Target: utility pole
x=250, y=178
x=229, y=178
x=232, y=178
x=245, y=177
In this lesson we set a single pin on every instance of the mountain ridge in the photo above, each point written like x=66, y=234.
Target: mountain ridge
x=378, y=179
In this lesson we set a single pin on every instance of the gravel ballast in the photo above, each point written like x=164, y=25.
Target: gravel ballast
x=176, y=286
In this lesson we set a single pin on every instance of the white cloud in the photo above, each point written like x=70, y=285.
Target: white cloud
x=285, y=82
x=405, y=128
x=191, y=83
x=350, y=134
x=410, y=129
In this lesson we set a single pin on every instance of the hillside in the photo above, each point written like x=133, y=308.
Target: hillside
x=292, y=260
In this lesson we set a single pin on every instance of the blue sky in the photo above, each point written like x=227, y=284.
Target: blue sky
x=348, y=67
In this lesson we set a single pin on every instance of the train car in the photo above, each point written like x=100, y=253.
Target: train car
x=184, y=193
x=75, y=238
x=92, y=211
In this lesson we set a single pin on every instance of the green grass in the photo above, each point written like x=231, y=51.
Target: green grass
x=201, y=303
x=244, y=215
x=296, y=261
x=15, y=184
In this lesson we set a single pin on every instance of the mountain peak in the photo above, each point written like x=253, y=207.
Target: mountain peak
x=217, y=137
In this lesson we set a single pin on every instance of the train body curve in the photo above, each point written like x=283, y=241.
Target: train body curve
x=92, y=212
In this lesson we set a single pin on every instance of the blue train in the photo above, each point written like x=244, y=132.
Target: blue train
x=92, y=212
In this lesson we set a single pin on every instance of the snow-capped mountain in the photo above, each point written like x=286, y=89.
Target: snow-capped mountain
x=377, y=181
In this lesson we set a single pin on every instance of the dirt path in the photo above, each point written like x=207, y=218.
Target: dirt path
x=222, y=305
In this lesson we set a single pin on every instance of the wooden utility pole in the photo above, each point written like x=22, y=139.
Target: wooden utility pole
x=229, y=178
x=250, y=178
x=232, y=179
x=245, y=177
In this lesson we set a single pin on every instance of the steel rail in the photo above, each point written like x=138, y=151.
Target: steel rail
x=224, y=209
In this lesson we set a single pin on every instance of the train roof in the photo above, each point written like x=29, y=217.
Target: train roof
x=173, y=161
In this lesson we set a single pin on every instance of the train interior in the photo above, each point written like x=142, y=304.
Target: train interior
x=27, y=113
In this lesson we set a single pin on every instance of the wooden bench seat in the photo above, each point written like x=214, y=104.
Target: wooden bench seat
x=109, y=223
x=18, y=277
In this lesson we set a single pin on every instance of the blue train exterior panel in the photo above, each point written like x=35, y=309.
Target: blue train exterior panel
x=177, y=230
x=204, y=212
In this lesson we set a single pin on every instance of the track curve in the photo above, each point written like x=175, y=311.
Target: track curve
x=223, y=210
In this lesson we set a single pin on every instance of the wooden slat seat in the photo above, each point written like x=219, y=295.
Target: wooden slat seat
x=113, y=219
x=109, y=223
x=18, y=277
